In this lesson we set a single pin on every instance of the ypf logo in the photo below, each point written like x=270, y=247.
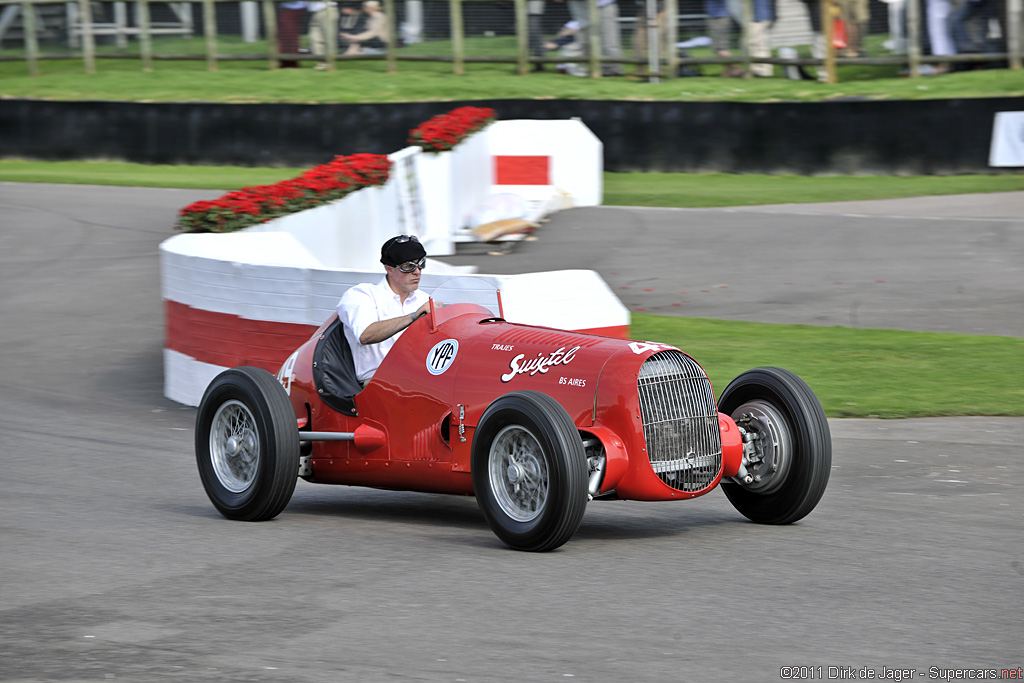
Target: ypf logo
x=440, y=357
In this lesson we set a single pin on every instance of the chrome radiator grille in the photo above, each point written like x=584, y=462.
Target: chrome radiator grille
x=680, y=421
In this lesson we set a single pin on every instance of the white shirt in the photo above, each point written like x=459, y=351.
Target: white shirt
x=365, y=304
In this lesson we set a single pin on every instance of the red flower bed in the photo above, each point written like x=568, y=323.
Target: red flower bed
x=327, y=182
x=444, y=131
x=319, y=185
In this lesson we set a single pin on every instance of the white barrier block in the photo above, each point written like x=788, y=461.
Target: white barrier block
x=186, y=379
x=564, y=299
x=576, y=156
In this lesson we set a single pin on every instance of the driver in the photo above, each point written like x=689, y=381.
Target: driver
x=375, y=315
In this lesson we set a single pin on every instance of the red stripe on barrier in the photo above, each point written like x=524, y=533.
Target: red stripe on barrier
x=522, y=170
x=228, y=340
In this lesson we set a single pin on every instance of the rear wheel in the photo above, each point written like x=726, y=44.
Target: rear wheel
x=787, y=446
x=529, y=471
x=247, y=444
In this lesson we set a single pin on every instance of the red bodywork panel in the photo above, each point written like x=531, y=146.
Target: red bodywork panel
x=416, y=418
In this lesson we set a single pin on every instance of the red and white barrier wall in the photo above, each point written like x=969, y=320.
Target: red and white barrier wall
x=551, y=164
x=251, y=297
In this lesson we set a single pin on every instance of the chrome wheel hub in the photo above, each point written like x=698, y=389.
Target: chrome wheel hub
x=767, y=446
x=234, y=446
x=518, y=473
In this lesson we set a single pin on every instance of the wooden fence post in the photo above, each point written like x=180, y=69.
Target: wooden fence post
x=121, y=22
x=331, y=39
x=270, y=20
x=210, y=31
x=28, y=23
x=522, y=38
x=145, y=36
x=88, y=44
x=652, y=39
x=392, y=47
x=671, y=38
x=829, y=12
x=594, y=38
x=748, y=18
x=1014, y=17
x=458, y=46
x=914, y=37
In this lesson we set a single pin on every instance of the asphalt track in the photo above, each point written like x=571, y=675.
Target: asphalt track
x=116, y=567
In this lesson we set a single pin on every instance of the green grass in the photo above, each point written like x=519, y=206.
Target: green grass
x=141, y=175
x=858, y=372
x=722, y=189
x=368, y=81
x=620, y=189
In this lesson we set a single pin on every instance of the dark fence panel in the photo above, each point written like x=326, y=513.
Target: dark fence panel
x=898, y=137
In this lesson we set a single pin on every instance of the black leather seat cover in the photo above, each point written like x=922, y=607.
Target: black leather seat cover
x=334, y=373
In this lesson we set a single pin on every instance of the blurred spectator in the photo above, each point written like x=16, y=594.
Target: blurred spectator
x=323, y=22
x=567, y=42
x=720, y=31
x=351, y=19
x=289, y=26
x=818, y=46
x=855, y=16
x=375, y=37
x=611, y=35
x=535, y=16
x=795, y=72
x=611, y=40
x=897, y=42
x=641, y=28
x=969, y=26
x=412, y=27
x=759, y=43
x=939, y=35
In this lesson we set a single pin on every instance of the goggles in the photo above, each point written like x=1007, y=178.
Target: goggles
x=411, y=266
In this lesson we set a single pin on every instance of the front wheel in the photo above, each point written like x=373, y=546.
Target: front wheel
x=787, y=452
x=247, y=444
x=529, y=471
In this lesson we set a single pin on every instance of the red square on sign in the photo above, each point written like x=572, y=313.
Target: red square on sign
x=515, y=170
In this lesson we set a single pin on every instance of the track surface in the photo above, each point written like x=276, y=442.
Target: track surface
x=115, y=566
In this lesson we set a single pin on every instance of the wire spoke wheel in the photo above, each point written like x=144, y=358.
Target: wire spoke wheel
x=519, y=473
x=529, y=471
x=247, y=444
x=234, y=446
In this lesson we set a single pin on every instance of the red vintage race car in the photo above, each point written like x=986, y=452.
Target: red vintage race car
x=533, y=421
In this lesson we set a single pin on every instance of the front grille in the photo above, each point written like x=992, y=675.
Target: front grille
x=680, y=421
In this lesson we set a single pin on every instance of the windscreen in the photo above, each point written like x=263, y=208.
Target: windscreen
x=468, y=290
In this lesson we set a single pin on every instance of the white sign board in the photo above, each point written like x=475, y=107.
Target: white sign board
x=1007, y=139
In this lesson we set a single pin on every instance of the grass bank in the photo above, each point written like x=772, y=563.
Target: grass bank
x=621, y=189
x=859, y=372
x=249, y=82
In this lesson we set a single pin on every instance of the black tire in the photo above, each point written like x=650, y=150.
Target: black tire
x=535, y=501
x=794, y=436
x=247, y=444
